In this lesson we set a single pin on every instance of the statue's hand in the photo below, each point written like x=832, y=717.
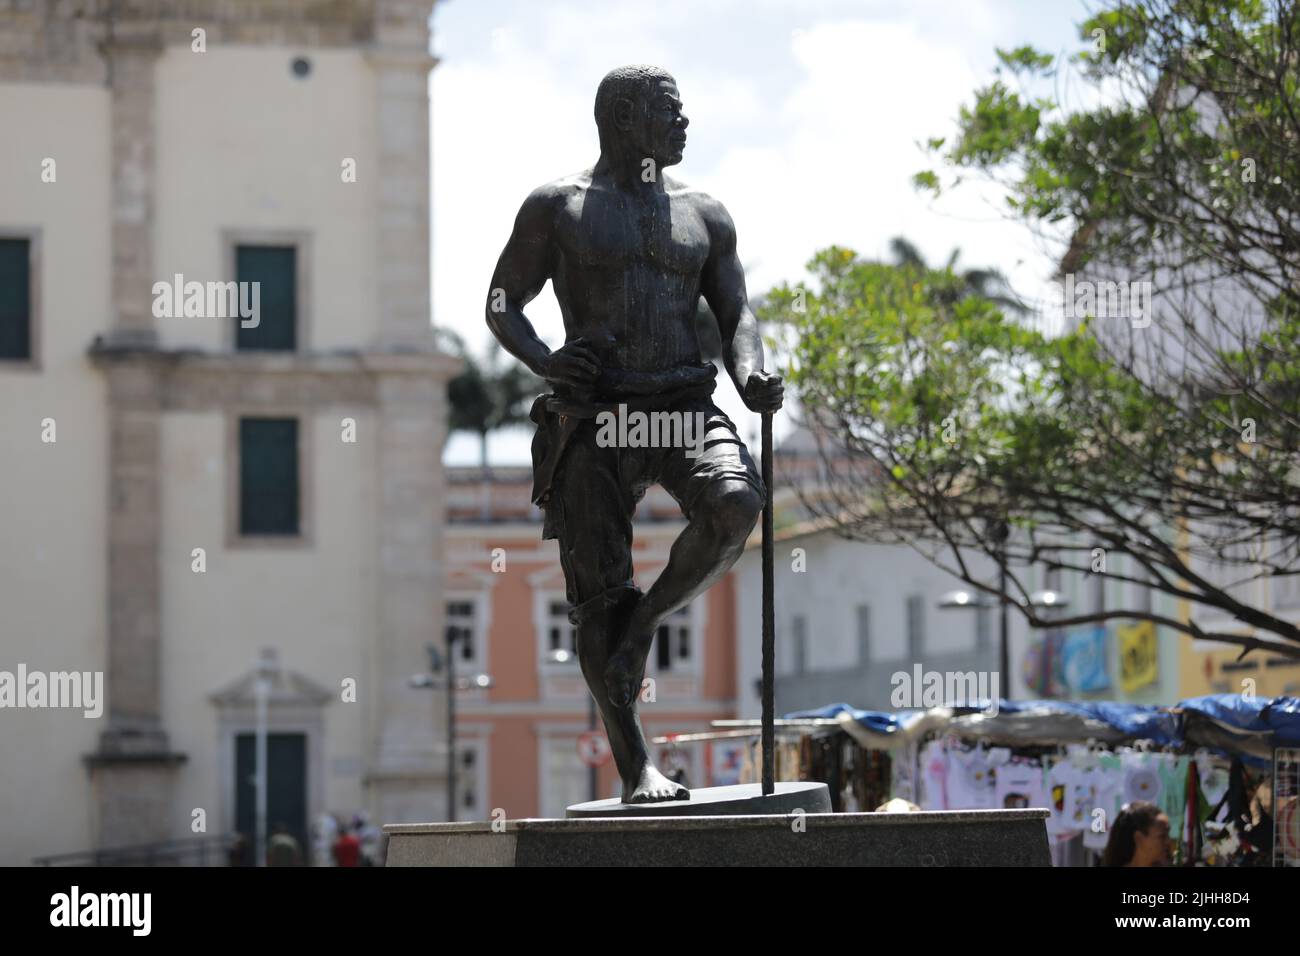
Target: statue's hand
x=764, y=392
x=575, y=365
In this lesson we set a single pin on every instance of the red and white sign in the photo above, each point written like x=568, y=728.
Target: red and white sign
x=1288, y=824
x=593, y=748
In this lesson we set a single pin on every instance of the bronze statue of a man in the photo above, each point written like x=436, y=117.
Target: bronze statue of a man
x=629, y=252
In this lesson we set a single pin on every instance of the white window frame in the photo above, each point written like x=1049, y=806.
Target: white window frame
x=543, y=597
x=479, y=598
x=478, y=745
x=693, y=665
x=546, y=590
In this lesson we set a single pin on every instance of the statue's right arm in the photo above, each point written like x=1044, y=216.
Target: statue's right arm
x=522, y=270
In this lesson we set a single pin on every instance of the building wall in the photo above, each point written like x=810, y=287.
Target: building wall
x=1164, y=687
x=166, y=157
x=839, y=575
x=315, y=604
x=1210, y=667
x=53, y=519
x=271, y=147
x=529, y=703
x=1225, y=314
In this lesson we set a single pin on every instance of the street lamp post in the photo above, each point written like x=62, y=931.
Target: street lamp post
x=452, y=635
x=264, y=674
x=262, y=689
x=451, y=683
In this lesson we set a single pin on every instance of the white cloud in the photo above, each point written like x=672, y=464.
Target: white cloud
x=805, y=123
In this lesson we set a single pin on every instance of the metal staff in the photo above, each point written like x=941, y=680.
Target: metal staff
x=769, y=630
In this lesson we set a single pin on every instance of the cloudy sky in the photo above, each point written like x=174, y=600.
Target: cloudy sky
x=805, y=118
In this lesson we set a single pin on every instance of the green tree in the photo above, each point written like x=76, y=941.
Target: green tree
x=1174, y=441
x=949, y=418
x=487, y=394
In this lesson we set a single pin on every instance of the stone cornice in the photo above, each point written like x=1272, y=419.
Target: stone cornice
x=197, y=380
x=412, y=362
x=394, y=58
x=165, y=758
x=69, y=41
x=144, y=38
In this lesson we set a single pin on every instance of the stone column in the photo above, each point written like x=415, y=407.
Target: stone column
x=131, y=53
x=401, y=61
x=407, y=771
x=134, y=600
x=132, y=772
x=408, y=767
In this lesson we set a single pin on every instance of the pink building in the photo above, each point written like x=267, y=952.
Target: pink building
x=518, y=741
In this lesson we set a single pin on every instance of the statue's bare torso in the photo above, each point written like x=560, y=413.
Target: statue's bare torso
x=627, y=270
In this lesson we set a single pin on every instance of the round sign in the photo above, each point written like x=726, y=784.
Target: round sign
x=593, y=748
x=1288, y=824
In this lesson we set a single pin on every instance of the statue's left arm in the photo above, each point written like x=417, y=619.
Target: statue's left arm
x=723, y=288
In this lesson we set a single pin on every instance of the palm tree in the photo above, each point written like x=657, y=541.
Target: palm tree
x=990, y=284
x=487, y=395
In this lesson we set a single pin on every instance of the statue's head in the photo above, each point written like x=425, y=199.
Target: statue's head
x=638, y=110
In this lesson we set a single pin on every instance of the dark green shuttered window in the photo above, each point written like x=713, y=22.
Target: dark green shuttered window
x=268, y=476
x=15, y=299
x=276, y=269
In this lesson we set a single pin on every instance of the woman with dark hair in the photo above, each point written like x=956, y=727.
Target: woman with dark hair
x=1138, y=837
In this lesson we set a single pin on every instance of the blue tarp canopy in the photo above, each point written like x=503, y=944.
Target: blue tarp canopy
x=1275, y=716
x=1227, y=722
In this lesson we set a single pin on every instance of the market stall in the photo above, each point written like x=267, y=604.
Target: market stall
x=1223, y=768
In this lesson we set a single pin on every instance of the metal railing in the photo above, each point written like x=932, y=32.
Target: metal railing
x=196, y=851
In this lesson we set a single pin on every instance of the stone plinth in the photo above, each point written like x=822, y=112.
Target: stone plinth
x=938, y=838
x=742, y=799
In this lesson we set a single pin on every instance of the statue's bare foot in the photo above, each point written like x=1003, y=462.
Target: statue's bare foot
x=621, y=678
x=653, y=787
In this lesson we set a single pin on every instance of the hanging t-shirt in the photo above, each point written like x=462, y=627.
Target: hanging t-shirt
x=1082, y=798
x=1108, y=797
x=970, y=781
x=1060, y=780
x=1214, y=777
x=1142, y=779
x=934, y=777
x=902, y=770
x=1173, y=789
x=1019, y=784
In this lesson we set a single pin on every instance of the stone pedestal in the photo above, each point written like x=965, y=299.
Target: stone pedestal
x=132, y=793
x=939, y=838
x=742, y=799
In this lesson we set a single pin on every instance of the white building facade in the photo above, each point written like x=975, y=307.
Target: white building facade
x=851, y=615
x=188, y=495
